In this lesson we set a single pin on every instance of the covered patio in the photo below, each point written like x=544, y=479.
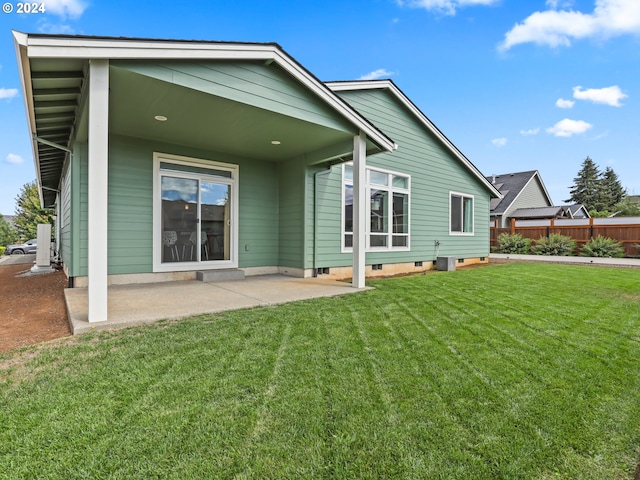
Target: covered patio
x=145, y=303
x=119, y=123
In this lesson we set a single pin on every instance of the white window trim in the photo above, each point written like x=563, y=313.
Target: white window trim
x=233, y=181
x=473, y=219
x=391, y=190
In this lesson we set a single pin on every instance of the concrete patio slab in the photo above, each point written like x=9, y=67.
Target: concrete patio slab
x=135, y=304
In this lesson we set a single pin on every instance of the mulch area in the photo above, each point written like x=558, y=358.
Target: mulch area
x=32, y=307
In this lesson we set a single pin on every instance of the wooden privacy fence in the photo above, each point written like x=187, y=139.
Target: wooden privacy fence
x=625, y=230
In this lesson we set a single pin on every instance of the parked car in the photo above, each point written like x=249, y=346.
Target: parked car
x=29, y=246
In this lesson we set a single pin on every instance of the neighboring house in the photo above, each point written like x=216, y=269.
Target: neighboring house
x=544, y=213
x=166, y=158
x=524, y=197
x=519, y=190
x=576, y=211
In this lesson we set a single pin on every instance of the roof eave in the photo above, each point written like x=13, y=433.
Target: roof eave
x=20, y=41
x=52, y=46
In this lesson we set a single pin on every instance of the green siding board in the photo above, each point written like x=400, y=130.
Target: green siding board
x=252, y=83
x=130, y=211
x=292, y=218
x=81, y=213
x=259, y=214
x=65, y=220
x=434, y=173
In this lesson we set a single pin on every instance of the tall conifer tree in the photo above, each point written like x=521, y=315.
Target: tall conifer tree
x=587, y=186
x=612, y=190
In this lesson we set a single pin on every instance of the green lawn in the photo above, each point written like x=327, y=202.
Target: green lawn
x=508, y=371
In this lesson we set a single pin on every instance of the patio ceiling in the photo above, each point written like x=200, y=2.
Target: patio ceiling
x=194, y=118
x=201, y=120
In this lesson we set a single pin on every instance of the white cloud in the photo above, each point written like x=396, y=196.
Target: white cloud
x=66, y=8
x=568, y=128
x=55, y=28
x=609, y=95
x=446, y=7
x=532, y=131
x=376, y=74
x=8, y=92
x=499, y=142
x=562, y=103
x=556, y=28
x=15, y=159
x=555, y=4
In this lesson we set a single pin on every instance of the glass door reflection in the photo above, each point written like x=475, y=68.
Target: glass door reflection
x=215, y=221
x=179, y=218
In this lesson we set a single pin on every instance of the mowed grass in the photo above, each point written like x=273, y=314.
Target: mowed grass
x=508, y=371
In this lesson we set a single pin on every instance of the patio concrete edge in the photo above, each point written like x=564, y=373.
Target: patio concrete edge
x=590, y=261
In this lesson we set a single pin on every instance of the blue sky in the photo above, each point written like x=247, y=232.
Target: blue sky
x=515, y=84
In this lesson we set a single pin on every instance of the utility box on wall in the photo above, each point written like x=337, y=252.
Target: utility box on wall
x=43, y=250
x=446, y=264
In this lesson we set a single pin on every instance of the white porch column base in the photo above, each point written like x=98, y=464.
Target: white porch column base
x=98, y=172
x=359, y=209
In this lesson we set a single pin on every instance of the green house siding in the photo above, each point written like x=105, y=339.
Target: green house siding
x=291, y=204
x=130, y=214
x=65, y=216
x=324, y=198
x=258, y=240
x=130, y=206
x=434, y=172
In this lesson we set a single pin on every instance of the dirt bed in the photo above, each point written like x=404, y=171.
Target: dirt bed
x=32, y=308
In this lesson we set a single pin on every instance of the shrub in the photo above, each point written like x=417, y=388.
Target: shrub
x=602, y=247
x=2, y=249
x=555, y=244
x=515, y=243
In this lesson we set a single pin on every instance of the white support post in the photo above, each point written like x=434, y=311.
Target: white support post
x=359, y=209
x=98, y=168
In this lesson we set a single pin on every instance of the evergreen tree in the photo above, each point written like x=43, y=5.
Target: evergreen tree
x=628, y=207
x=612, y=190
x=7, y=233
x=29, y=213
x=587, y=187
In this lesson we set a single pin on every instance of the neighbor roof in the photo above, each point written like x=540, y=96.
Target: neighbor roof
x=389, y=85
x=511, y=185
x=537, y=212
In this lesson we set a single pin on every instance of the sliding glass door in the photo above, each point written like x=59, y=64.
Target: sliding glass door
x=196, y=216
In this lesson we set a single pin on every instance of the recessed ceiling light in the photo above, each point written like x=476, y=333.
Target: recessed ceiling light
x=276, y=142
x=160, y=118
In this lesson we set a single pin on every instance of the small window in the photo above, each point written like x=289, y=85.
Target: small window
x=461, y=211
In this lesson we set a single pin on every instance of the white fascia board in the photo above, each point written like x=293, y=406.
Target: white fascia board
x=359, y=85
x=544, y=188
x=121, y=49
x=387, y=84
x=24, y=69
